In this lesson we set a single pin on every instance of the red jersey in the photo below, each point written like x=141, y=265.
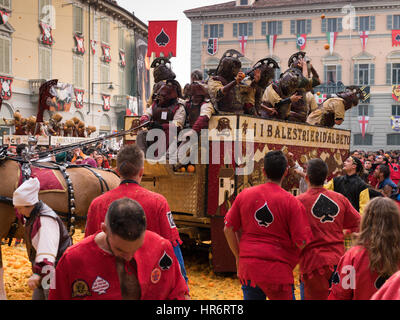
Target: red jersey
x=158, y=215
x=390, y=290
x=86, y=272
x=353, y=279
x=272, y=223
x=394, y=172
x=329, y=213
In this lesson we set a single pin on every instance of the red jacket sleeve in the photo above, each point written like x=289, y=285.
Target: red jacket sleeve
x=299, y=225
x=167, y=227
x=178, y=288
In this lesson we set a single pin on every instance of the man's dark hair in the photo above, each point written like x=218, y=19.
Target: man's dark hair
x=20, y=148
x=383, y=168
x=275, y=164
x=317, y=170
x=126, y=219
x=89, y=151
x=130, y=160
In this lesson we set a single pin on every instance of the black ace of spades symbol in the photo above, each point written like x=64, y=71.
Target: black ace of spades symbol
x=264, y=216
x=325, y=209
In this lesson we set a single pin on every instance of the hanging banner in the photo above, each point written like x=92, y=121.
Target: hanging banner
x=79, y=98
x=143, y=74
x=106, y=102
x=395, y=123
x=271, y=40
x=301, y=41
x=363, y=121
x=79, y=42
x=93, y=46
x=46, y=37
x=364, y=38
x=331, y=40
x=106, y=53
x=6, y=91
x=396, y=92
x=122, y=61
x=162, y=37
x=243, y=43
x=212, y=46
x=395, y=38
x=4, y=16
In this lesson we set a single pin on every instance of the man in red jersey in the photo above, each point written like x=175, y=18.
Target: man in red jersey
x=122, y=262
x=273, y=226
x=329, y=213
x=130, y=165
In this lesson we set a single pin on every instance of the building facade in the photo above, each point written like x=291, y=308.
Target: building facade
x=362, y=51
x=89, y=44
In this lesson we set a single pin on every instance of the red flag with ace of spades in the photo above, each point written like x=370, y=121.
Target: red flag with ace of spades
x=162, y=37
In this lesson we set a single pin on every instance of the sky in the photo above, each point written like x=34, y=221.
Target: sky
x=148, y=10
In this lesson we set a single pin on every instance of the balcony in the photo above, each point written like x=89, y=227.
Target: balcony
x=34, y=85
x=330, y=87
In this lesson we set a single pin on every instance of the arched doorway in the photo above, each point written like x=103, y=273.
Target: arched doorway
x=105, y=125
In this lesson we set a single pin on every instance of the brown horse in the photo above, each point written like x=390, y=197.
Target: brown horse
x=86, y=186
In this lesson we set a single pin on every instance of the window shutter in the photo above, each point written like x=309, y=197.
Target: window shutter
x=389, y=22
x=356, y=81
x=206, y=31
x=323, y=26
x=338, y=73
x=263, y=28
x=355, y=111
x=356, y=23
x=78, y=19
x=339, y=24
x=372, y=73
x=308, y=26
x=250, y=29
x=2, y=60
x=235, y=30
x=279, y=27
x=292, y=26
x=388, y=73
x=220, y=31
x=326, y=73
x=370, y=110
x=372, y=23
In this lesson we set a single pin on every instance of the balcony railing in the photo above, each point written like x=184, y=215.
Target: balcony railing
x=330, y=87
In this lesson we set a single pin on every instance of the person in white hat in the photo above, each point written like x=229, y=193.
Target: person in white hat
x=46, y=235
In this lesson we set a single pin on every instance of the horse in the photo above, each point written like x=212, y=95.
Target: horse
x=78, y=186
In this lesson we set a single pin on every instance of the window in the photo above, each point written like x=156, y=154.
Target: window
x=363, y=110
x=122, y=90
x=243, y=29
x=244, y=2
x=395, y=110
x=396, y=73
x=364, y=74
x=46, y=12
x=44, y=63
x=363, y=141
x=78, y=20
x=332, y=25
x=213, y=31
x=393, y=139
x=105, y=30
x=300, y=26
x=5, y=4
x=333, y=73
x=365, y=23
x=78, y=72
x=396, y=22
x=121, y=38
x=271, y=28
x=104, y=77
x=5, y=55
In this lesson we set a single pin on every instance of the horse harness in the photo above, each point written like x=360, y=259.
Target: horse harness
x=70, y=217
